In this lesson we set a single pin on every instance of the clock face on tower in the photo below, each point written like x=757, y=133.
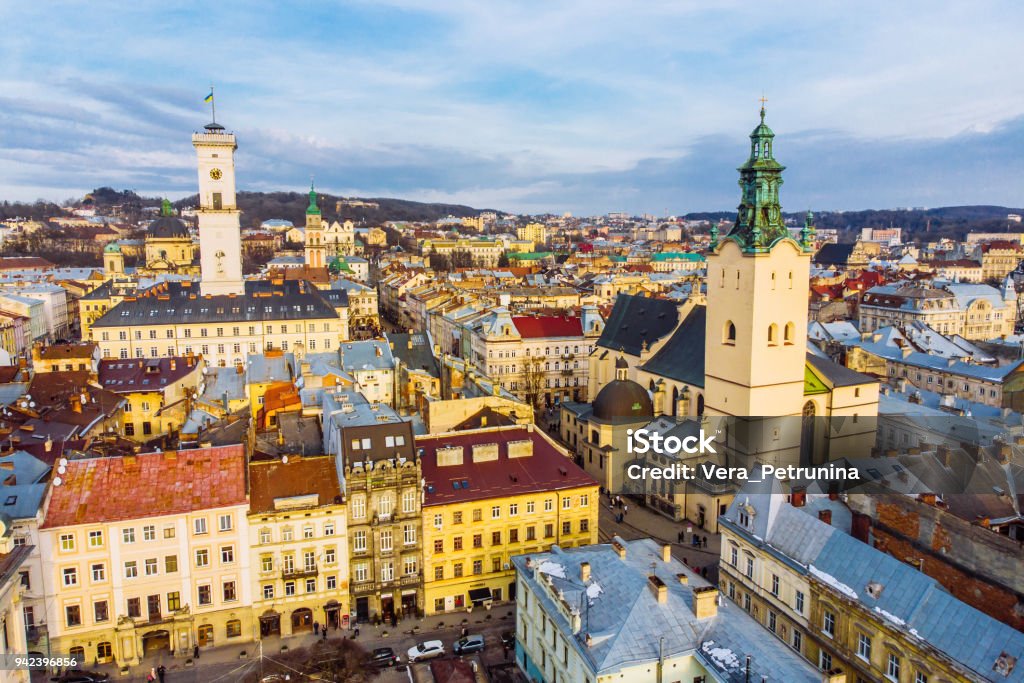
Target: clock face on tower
x=216, y=173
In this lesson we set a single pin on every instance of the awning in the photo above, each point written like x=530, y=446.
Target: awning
x=479, y=595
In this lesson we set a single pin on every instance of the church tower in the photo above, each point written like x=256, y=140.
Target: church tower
x=220, y=239
x=113, y=261
x=316, y=250
x=757, y=290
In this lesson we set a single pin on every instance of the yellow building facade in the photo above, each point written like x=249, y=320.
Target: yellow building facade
x=299, y=545
x=470, y=534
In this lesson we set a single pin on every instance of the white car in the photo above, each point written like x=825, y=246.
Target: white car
x=426, y=650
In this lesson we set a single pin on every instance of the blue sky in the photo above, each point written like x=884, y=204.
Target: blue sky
x=585, y=106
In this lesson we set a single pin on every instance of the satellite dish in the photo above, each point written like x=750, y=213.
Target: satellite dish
x=57, y=481
x=63, y=462
x=284, y=459
x=28, y=397
x=32, y=404
x=62, y=470
x=206, y=370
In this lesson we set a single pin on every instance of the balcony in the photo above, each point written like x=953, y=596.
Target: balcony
x=411, y=580
x=299, y=573
x=567, y=372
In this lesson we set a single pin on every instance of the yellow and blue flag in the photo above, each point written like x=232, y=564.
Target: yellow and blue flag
x=209, y=98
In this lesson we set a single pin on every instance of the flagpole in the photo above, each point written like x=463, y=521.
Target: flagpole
x=213, y=104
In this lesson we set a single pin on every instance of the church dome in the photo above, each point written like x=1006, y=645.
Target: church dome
x=623, y=400
x=167, y=227
x=112, y=248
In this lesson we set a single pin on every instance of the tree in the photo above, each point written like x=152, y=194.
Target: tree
x=339, y=660
x=503, y=261
x=462, y=259
x=439, y=262
x=532, y=380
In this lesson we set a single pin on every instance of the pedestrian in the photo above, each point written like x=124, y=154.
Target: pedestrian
x=195, y=652
x=316, y=628
x=705, y=541
x=161, y=671
x=625, y=509
x=356, y=633
x=325, y=635
x=704, y=572
x=151, y=676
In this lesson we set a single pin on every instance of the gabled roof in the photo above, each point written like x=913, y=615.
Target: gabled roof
x=637, y=319
x=682, y=356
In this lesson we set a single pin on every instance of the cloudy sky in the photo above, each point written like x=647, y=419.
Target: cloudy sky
x=586, y=106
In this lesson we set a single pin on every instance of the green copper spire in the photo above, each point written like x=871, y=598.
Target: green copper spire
x=807, y=232
x=759, y=222
x=165, y=208
x=312, y=209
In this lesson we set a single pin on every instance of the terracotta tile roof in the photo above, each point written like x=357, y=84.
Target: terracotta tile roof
x=546, y=469
x=58, y=351
x=298, y=477
x=548, y=326
x=97, y=490
x=1005, y=245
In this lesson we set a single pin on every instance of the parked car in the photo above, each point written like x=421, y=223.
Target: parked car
x=79, y=676
x=468, y=645
x=426, y=650
x=384, y=656
x=508, y=639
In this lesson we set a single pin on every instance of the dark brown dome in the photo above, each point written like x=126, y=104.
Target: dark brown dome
x=623, y=400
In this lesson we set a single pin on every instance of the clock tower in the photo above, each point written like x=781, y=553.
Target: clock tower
x=220, y=239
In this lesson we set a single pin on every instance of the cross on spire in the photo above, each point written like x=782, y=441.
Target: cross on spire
x=763, y=100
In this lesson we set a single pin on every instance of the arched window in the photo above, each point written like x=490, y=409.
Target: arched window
x=789, y=334
x=773, y=335
x=729, y=333
x=791, y=279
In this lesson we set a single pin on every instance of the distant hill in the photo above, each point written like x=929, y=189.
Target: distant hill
x=260, y=206
x=923, y=224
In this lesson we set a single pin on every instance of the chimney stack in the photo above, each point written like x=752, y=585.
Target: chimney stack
x=825, y=516
x=620, y=549
x=659, y=589
x=666, y=553
x=705, y=602
x=798, y=498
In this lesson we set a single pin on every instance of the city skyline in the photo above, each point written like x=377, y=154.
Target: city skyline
x=585, y=108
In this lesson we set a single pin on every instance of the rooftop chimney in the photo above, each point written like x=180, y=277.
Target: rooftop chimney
x=620, y=549
x=825, y=516
x=659, y=589
x=683, y=579
x=705, y=602
x=666, y=553
x=798, y=498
